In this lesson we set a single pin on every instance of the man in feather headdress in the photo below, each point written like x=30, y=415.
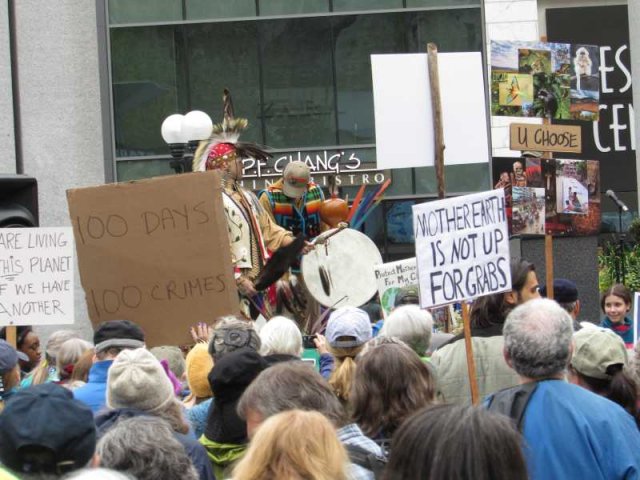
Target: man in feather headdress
x=252, y=231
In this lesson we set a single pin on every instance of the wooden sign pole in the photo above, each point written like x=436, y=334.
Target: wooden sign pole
x=436, y=107
x=471, y=365
x=434, y=81
x=548, y=258
x=548, y=239
x=12, y=336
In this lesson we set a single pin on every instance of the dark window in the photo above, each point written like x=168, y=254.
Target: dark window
x=303, y=82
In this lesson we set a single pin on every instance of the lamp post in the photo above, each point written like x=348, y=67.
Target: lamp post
x=183, y=133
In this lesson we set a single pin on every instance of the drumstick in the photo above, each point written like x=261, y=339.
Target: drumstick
x=317, y=325
x=356, y=202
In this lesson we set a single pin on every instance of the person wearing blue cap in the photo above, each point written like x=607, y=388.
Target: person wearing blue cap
x=9, y=370
x=46, y=432
x=348, y=329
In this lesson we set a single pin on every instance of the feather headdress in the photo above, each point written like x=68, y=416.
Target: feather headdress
x=223, y=146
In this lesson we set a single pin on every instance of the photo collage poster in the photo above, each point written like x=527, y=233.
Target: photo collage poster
x=557, y=81
x=554, y=196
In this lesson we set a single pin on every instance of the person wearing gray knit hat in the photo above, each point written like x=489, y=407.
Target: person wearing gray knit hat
x=138, y=386
x=137, y=380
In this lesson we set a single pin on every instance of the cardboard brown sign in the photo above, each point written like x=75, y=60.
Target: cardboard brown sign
x=545, y=138
x=155, y=252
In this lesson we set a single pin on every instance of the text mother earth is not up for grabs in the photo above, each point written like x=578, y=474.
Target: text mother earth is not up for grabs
x=462, y=248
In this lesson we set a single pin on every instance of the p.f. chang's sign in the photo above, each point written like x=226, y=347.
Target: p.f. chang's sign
x=347, y=167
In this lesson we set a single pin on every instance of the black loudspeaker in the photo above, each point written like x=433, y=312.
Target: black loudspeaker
x=18, y=201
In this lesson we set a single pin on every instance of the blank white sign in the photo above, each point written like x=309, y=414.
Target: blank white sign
x=404, y=120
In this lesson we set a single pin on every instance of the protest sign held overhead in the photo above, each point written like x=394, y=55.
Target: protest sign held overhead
x=154, y=252
x=391, y=277
x=462, y=248
x=36, y=276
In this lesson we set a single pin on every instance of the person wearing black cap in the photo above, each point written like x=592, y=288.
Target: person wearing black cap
x=110, y=338
x=565, y=292
x=225, y=436
x=9, y=371
x=46, y=433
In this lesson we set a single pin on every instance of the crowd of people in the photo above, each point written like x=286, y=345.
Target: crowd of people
x=559, y=397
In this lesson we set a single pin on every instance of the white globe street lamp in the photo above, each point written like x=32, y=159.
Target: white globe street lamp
x=183, y=133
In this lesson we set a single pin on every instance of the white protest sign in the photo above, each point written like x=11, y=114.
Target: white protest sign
x=391, y=277
x=462, y=248
x=404, y=116
x=36, y=276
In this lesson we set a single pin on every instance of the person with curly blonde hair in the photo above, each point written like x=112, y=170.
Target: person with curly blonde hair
x=294, y=445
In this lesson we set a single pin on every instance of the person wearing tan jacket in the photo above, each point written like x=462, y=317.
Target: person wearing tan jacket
x=488, y=314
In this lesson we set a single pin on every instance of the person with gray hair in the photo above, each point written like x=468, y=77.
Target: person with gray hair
x=146, y=448
x=537, y=340
x=68, y=354
x=570, y=431
x=281, y=340
x=232, y=333
x=297, y=386
x=412, y=325
x=98, y=474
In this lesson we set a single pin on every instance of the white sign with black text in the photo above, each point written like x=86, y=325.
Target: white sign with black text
x=36, y=276
x=462, y=248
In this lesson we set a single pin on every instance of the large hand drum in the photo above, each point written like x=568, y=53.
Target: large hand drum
x=339, y=272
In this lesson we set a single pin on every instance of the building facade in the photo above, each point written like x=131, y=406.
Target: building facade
x=85, y=86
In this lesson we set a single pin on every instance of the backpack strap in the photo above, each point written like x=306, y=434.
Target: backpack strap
x=512, y=402
x=367, y=460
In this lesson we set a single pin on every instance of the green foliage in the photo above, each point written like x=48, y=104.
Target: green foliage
x=607, y=259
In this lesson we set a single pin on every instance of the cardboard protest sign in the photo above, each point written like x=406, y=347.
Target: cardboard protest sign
x=155, y=252
x=36, y=276
x=391, y=277
x=405, y=134
x=545, y=138
x=462, y=248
